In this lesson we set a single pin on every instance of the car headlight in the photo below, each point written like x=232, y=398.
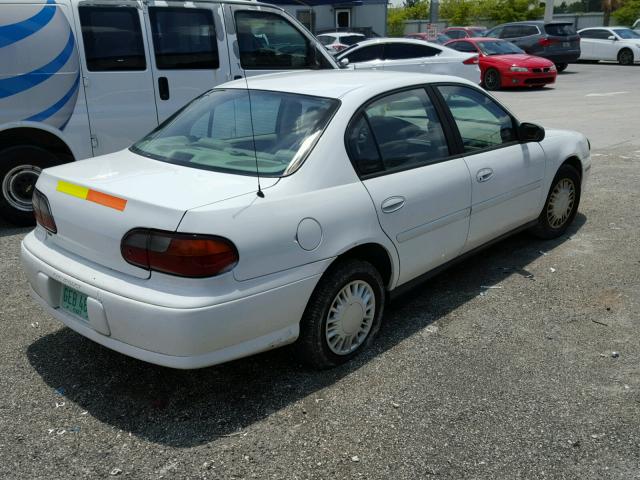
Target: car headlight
x=519, y=69
x=552, y=68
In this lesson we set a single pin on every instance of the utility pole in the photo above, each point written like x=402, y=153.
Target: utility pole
x=434, y=7
x=548, y=10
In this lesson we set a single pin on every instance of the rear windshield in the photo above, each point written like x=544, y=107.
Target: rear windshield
x=496, y=47
x=350, y=39
x=626, y=33
x=214, y=132
x=560, y=29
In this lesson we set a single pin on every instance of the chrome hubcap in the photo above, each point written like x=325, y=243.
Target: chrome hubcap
x=561, y=203
x=350, y=317
x=18, y=185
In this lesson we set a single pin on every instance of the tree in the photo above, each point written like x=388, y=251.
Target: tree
x=628, y=13
x=464, y=12
x=459, y=12
x=608, y=6
x=396, y=16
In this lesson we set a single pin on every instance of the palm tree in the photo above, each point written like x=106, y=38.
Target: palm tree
x=609, y=6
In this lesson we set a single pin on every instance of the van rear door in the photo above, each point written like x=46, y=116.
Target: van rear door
x=265, y=40
x=189, y=51
x=117, y=74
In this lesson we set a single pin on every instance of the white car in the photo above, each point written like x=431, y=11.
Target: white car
x=636, y=25
x=617, y=44
x=337, y=41
x=176, y=252
x=409, y=55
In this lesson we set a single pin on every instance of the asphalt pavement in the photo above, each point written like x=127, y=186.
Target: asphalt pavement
x=522, y=362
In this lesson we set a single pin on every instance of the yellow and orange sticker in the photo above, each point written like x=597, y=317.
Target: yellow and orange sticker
x=91, y=195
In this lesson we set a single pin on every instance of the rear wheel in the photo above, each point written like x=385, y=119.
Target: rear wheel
x=492, y=79
x=561, y=67
x=562, y=204
x=343, y=315
x=20, y=167
x=625, y=57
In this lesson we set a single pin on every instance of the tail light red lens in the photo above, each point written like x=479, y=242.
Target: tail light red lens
x=545, y=42
x=472, y=61
x=42, y=211
x=182, y=254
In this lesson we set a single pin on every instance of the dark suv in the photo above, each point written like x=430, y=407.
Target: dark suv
x=556, y=41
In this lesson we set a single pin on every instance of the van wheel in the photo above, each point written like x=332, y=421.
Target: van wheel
x=20, y=167
x=561, y=67
x=343, y=315
x=561, y=206
x=625, y=57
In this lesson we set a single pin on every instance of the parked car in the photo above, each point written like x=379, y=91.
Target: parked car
x=636, y=25
x=556, y=41
x=175, y=252
x=439, y=38
x=504, y=65
x=408, y=55
x=337, y=41
x=616, y=44
x=79, y=79
x=464, y=32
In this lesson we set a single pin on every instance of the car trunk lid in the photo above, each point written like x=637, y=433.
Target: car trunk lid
x=96, y=202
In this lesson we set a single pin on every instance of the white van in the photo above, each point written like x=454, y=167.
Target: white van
x=80, y=78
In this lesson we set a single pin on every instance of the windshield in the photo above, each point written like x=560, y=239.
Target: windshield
x=626, y=33
x=214, y=132
x=497, y=47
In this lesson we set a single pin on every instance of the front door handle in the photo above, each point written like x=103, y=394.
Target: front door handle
x=392, y=204
x=163, y=88
x=484, y=175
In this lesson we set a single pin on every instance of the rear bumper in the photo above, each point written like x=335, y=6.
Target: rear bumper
x=569, y=56
x=175, y=337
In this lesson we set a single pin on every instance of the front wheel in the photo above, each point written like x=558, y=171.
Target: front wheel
x=343, y=315
x=561, y=206
x=20, y=167
x=561, y=67
x=492, y=80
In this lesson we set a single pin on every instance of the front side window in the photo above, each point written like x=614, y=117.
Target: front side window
x=397, y=132
x=219, y=131
x=482, y=123
x=268, y=41
x=184, y=38
x=112, y=39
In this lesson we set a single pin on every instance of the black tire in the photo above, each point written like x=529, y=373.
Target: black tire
x=312, y=346
x=561, y=67
x=492, y=80
x=625, y=57
x=545, y=227
x=19, y=170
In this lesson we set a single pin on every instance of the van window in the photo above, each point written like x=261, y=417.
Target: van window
x=268, y=41
x=184, y=38
x=112, y=39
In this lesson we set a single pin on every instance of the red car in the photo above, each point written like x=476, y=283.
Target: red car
x=464, y=32
x=502, y=64
x=437, y=38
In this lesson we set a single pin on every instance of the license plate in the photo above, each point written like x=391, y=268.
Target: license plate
x=566, y=44
x=75, y=302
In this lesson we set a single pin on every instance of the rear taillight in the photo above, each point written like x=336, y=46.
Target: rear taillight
x=42, y=211
x=472, y=61
x=545, y=42
x=182, y=254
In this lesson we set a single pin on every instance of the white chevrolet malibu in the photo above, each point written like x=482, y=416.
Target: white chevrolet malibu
x=288, y=212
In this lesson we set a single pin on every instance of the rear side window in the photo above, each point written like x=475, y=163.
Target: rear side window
x=269, y=42
x=482, y=123
x=397, y=132
x=112, y=39
x=527, y=30
x=511, y=31
x=401, y=51
x=456, y=33
x=365, y=54
x=184, y=38
x=560, y=29
x=597, y=34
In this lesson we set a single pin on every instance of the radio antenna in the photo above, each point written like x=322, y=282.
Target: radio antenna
x=260, y=193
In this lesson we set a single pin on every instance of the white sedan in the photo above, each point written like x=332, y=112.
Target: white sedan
x=176, y=252
x=616, y=44
x=408, y=55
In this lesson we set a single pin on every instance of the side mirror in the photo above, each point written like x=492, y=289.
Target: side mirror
x=611, y=37
x=344, y=62
x=530, y=132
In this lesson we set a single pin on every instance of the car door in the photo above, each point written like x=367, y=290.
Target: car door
x=365, y=57
x=603, y=47
x=264, y=40
x=506, y=174
x=422, y=195
x=116, y=74
x=189, y=51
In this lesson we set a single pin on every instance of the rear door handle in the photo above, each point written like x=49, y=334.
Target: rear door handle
x=484, y=174
x=163, y=88
x=392, y=204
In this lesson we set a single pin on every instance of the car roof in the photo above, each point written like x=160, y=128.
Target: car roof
x=408, y=41
x=340, y=34
x=339, y=84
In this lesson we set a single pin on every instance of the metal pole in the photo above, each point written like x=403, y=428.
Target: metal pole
x=548, y=10
x=434, y=8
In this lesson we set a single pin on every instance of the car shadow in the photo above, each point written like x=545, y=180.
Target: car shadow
x=188, y=408
x=7, y=229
